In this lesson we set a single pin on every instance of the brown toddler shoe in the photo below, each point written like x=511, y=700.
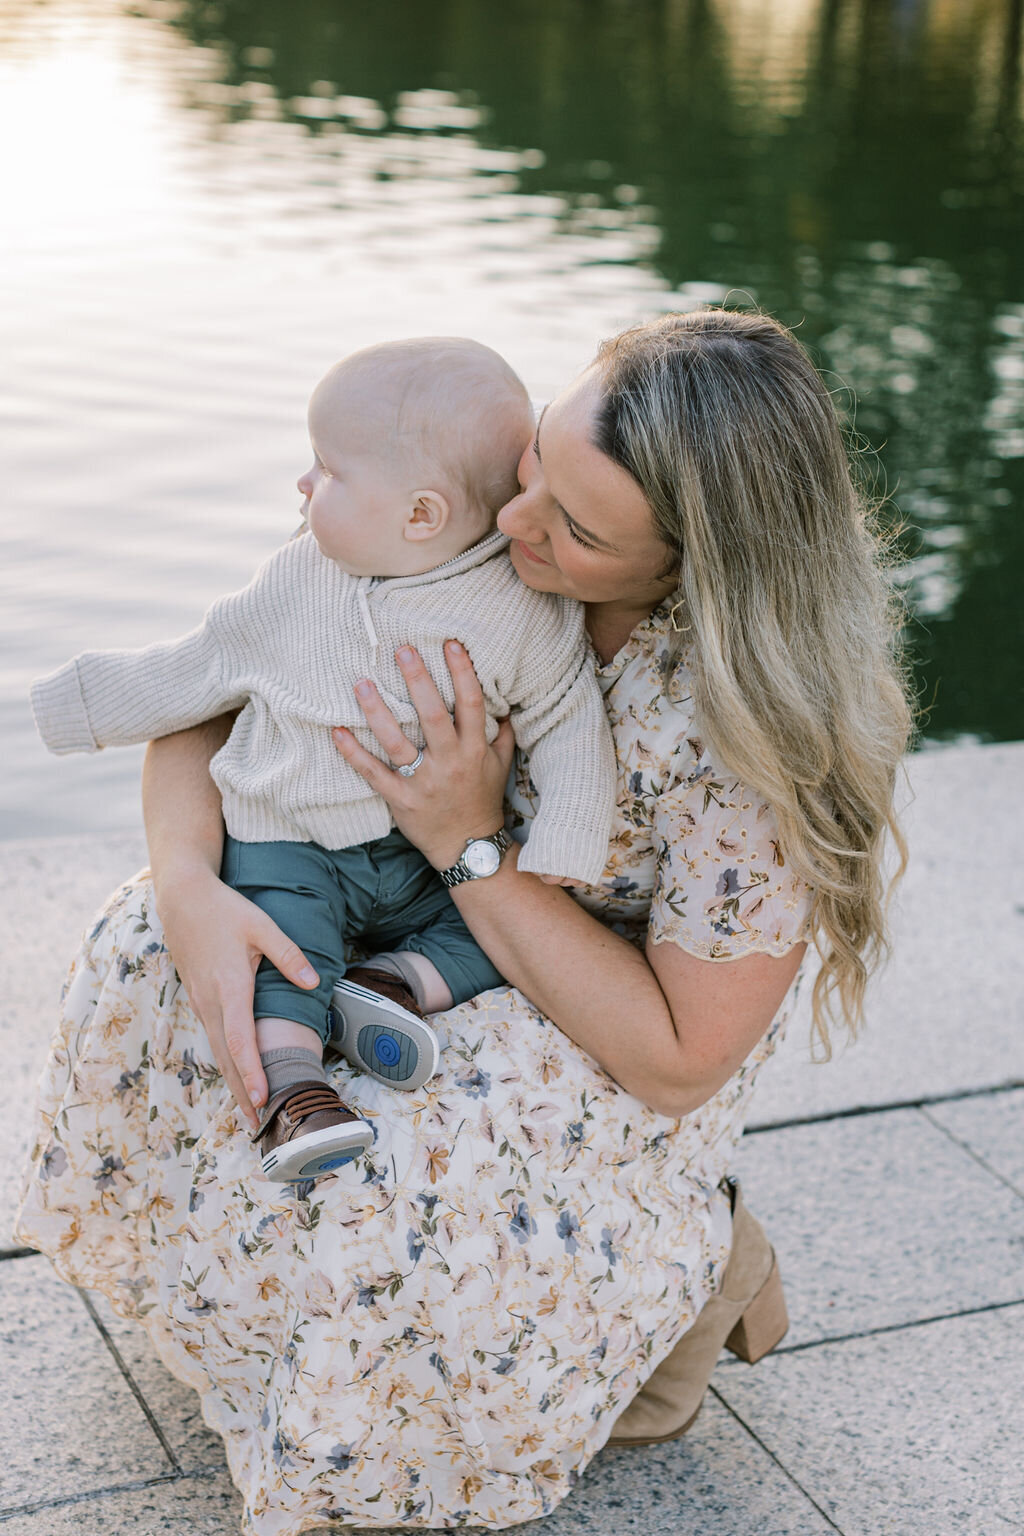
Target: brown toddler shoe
x=307, y=1130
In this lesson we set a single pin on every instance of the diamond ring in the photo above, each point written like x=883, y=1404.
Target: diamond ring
x=408, y=769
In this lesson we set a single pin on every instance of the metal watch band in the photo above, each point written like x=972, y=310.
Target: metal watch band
x=460, y=871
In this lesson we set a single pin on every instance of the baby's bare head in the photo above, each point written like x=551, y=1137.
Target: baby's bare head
x=440, y=414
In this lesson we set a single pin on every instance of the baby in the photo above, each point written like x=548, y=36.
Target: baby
x=416, y=445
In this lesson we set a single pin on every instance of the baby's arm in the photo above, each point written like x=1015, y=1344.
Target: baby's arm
x=116, y=698
x=558, y=717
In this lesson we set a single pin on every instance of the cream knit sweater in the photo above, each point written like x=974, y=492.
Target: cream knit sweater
x=290, y=647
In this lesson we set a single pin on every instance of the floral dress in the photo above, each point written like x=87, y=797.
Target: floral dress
x=443, y=1332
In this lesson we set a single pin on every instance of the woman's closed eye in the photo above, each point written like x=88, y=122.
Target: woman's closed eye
x=570, y=525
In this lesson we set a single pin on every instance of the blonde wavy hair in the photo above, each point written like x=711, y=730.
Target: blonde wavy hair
x=794, y=633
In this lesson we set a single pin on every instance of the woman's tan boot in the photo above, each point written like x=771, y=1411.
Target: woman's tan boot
x=748, y=1316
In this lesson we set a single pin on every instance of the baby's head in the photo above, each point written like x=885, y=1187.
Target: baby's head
x=416, y=445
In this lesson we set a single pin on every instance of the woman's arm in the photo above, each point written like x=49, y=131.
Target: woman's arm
x=216, y=937
x=671, y=1028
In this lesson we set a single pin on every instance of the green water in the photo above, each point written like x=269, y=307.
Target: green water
x=204, y=205
x=857, y=167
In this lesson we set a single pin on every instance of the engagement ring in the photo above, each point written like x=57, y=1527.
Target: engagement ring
x=408, y=769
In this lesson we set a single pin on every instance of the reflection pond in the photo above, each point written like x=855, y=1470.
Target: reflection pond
x=215, y=200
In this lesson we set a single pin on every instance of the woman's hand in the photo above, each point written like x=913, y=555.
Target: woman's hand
x=217, y=939
x=456, y=792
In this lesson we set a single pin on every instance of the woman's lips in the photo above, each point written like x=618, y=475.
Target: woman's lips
x=527, y=552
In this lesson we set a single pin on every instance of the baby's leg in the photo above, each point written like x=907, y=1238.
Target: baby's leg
x=422, y=932
x=447, y=946
x=290, y=1053
x=427, y=988
x=305, y=1129
x=295, y=884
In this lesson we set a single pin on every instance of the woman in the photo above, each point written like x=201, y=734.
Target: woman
x=447, y=1332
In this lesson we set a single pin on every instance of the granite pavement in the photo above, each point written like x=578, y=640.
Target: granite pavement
x=891, y=1180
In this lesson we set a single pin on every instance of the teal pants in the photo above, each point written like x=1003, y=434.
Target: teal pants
x=383, y=893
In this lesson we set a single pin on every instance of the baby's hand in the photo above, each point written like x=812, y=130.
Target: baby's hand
x=558, y=880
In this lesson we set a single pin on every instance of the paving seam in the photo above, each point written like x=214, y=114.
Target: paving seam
x=1009, y=1086
x=965, y=1147
x=772, y=1456
x=93, y=1493
x=133, y=1385
x=178, y=1475
x=884, y=1328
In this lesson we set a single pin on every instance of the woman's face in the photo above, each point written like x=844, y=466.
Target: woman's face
x=581, y=525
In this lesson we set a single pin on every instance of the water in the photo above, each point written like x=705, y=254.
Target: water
x=203, y=205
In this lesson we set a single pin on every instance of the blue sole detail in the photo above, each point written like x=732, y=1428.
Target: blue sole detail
x=387, y=1050
x=311, y=1170
x=378, y=1042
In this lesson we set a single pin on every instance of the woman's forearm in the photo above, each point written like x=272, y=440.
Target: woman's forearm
x=671, y=1027
x=216, y=937
x=180, y=802
x=597, y=987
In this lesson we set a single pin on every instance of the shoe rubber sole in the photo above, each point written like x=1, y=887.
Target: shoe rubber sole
x=382, y=1038
x=318, y=1152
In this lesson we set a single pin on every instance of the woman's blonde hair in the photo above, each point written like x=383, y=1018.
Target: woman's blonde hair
x=797, y=672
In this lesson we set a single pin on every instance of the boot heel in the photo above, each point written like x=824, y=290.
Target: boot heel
x=764, y=1323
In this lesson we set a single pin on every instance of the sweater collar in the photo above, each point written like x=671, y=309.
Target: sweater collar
x=477, y=554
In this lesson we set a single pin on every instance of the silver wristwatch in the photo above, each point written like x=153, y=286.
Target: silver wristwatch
x=481, y=857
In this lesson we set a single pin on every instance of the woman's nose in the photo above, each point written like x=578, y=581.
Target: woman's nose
x=519, y=520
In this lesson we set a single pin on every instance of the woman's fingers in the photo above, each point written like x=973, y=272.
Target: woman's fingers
x=436, y=722
x=458, y=786
x=469, y=696
x=239, y=1029
x=285, y=955
x=226, y=1016
x=504, y=744
x=226, y=1010
x=241, y=1064
x=377, y=774
x=383, y=723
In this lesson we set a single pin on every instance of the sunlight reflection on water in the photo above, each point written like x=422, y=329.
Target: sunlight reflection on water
x=186, y=251
x=178, y=284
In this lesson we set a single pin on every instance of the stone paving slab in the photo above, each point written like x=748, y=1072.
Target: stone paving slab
x=947, y=1014
x=881, y=1219
x=993, y=1129
x=915, y=1431
x=70, y=1422
x=174, y=1406
x=206, y=1505
x=717, y=1480
x=49, y=889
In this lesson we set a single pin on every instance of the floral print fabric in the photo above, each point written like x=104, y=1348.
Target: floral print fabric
x=443, y=1333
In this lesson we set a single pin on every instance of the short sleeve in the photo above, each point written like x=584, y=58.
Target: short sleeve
x=722, y=887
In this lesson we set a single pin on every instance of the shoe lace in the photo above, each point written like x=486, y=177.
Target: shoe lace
x=311, y=1100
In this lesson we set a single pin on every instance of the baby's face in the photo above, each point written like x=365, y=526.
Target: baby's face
x=357, y=494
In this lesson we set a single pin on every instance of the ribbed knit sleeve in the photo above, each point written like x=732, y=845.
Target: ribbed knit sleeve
x=558, y=717
x=117, y=698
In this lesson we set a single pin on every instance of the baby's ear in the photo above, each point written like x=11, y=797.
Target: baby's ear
x=427, y=517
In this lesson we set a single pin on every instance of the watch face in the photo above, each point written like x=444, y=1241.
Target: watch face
x=481, y=858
